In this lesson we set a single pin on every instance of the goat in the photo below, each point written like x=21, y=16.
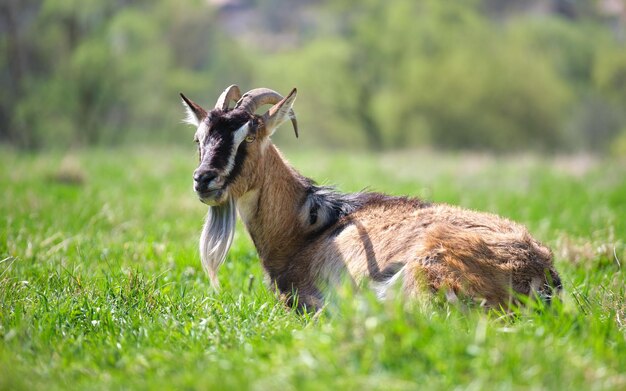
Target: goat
x=307, y=236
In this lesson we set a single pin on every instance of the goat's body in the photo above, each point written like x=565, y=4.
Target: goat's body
x=309, y=236
x=385, y=239
x=436, y=248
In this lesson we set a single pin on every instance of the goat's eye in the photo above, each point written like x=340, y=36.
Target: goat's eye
x=250, y=139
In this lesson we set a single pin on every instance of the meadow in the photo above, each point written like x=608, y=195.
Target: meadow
x=101, y=285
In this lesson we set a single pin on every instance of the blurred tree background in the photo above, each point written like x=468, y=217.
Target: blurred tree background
x=501, y=75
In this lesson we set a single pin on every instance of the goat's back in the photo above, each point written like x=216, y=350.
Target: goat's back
x=435, y=247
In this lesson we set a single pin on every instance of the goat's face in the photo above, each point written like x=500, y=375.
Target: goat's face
x=222, y=140
x=231, y=141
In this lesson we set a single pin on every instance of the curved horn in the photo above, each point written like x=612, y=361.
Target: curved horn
x=230, y=93
x=253, y=99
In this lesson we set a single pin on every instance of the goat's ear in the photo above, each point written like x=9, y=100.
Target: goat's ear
x=281, y=112
x=195, y=113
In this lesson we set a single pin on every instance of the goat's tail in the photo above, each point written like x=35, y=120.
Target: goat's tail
x=493, y=267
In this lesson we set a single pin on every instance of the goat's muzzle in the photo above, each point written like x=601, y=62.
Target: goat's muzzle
x=208, y=185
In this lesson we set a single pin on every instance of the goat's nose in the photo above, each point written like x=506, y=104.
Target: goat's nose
x=204, y=177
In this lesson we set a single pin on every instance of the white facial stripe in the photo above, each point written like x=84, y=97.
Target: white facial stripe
x=238, y=137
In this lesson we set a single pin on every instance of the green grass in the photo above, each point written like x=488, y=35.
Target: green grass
x=101, y=286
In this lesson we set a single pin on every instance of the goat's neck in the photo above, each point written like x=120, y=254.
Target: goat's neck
x=270, y=210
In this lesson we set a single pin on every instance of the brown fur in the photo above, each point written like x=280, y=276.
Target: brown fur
x=309, y=236
x=471, y=254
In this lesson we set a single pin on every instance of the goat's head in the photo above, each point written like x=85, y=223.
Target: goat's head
x=230, y=141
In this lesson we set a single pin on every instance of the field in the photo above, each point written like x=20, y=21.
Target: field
x=101, y=285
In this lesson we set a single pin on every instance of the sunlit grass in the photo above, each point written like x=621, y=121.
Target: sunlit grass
x=101, y=286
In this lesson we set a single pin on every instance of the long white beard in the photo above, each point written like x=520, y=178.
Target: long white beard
x=217, y=237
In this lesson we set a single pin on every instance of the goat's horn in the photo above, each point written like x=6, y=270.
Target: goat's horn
x=230, y=93
x=253, y=99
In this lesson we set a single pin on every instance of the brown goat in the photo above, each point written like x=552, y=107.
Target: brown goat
x=310, y=236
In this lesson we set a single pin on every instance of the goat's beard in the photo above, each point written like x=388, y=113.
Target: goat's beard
x=217, y=237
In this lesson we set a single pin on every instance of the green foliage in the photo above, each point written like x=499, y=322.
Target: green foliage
x=610, y=75
x=110, y=67
x=404, y=73
x=371, y=74
x=101, y=285
x=610, y=78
